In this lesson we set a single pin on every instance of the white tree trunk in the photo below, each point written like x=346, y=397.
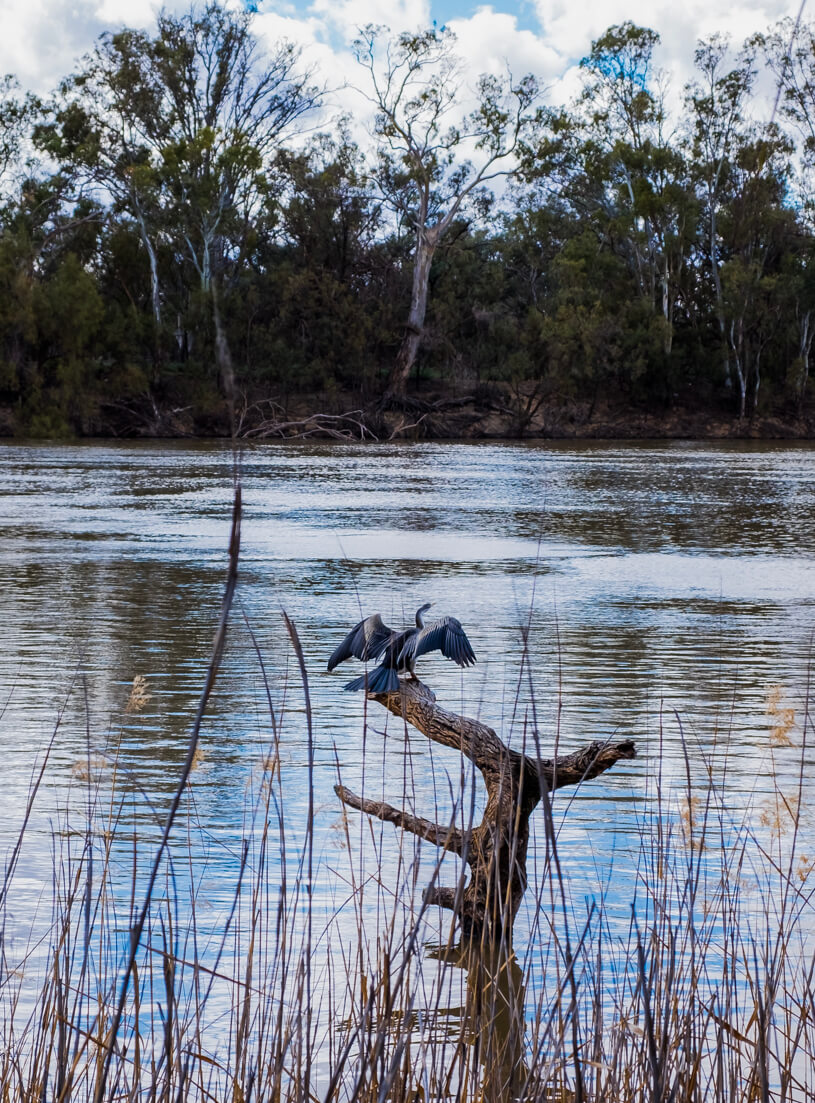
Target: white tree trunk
x=151, y=253
x=426, y=242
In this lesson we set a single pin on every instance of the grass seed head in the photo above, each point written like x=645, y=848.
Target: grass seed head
x=139, y=694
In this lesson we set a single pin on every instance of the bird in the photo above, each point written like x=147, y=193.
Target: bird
x=372, y=639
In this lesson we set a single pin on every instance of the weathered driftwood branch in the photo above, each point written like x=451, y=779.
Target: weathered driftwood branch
x=447, y=837
x=495, y=850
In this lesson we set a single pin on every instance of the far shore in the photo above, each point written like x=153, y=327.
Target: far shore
x=487, y=412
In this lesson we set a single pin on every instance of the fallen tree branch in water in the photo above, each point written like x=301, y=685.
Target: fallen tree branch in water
x=495, y=850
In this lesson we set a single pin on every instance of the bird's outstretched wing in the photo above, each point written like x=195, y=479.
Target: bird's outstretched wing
x=366, y=640
x=445, y=635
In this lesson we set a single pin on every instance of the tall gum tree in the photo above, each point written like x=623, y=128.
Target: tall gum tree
x=789, y=51
x=18, y=113
x=424, y=136
x=639, y=177
x=107, y=128
x=741, y=172
x=758, y=232
x=716, y=103
x=180, y=128
x=231, y=107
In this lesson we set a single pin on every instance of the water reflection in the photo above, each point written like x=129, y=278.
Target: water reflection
x=492, y=1020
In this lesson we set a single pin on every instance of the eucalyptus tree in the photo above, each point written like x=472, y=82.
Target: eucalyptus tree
x=106, y=128
x=180, y=127
x=319, y=301
x=424, y=133
x=17, y=115
x=742, y=174
x=230, y=108
x=789, y=50
x=798, y=287
x=634, y=177
x=17, y=249
x=758, y=232
x=326, y=209
x=716, y=104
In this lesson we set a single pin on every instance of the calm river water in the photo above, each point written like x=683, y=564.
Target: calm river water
x=668, y=591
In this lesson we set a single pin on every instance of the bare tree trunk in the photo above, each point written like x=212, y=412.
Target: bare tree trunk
x=737, y=348
x=717, y=284
x=206, y=268
x=807, y=332
x=667, y=311
x=756, y=380
x=426, y=243
x=493, y=1020
x=155, y=298
x=496, y=849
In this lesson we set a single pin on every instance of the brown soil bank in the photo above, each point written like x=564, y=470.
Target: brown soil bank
x=488, y=412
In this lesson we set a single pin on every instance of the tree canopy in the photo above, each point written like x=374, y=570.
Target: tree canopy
x=480, y=241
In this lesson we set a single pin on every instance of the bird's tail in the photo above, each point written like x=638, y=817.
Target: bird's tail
x=383, y=679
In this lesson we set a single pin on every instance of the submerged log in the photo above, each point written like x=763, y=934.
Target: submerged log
x=495, y=850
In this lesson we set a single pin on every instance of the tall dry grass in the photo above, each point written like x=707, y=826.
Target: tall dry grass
x=707, y=992
x=132, y=991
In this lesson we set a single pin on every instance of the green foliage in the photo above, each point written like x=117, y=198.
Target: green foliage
x=623, y=261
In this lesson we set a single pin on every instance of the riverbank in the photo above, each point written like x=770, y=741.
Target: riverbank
x=491, y=411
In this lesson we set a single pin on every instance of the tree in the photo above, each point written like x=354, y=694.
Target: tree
x=308, y=301
x=327, y=213
x=96, y=132
x=798, y=285
x=635, y=176
x=181, y=130
x=758, y=231
x=17, y=115
x=789, y=50
x=417, y=93
x=716, y=104
x=230, y=110
x=40, y=230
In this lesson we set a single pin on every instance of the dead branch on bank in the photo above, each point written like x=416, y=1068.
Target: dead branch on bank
x=267, y=419
x=495, y=850
x=347, y=426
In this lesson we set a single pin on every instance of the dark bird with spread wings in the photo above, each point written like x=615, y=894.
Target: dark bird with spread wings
x=371, y=639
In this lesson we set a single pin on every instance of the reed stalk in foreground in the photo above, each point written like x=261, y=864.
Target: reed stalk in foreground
x=363, y=991
x=706, y=993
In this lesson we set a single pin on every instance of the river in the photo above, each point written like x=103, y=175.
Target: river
x=666, y=591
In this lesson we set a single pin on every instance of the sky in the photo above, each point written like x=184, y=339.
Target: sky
x=41, y=39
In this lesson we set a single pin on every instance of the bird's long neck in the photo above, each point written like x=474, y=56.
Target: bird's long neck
x=420, y=616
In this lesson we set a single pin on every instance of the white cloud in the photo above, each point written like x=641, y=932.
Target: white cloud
x=41, y=39
x=132, y=13
x=345, y=17
x=491, y=41
x=39, y=43
x=571, y=27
